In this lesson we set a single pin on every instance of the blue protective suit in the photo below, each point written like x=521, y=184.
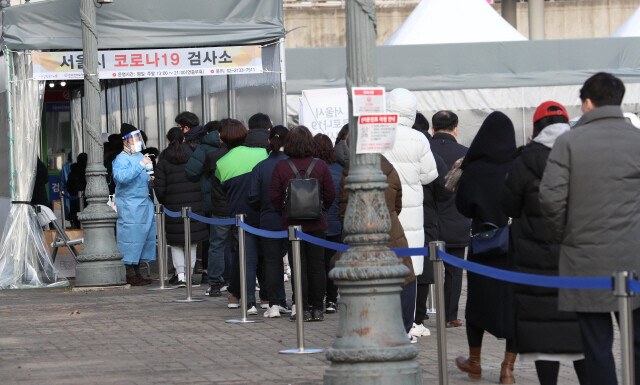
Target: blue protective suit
x=136, y=226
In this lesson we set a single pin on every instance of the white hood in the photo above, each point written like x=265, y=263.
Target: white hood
x=547, y=137
x=404, y=103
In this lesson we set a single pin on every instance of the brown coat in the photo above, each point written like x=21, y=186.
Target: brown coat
x=393, y=197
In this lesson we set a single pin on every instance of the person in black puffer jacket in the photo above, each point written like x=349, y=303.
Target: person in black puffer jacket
x=174, y=191
x=258, y=135
x=540, y=327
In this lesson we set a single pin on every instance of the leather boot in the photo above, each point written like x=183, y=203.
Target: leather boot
x=506, y=373
x=471, y=365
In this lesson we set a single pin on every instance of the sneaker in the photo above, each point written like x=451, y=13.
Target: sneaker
x=252, y=309
x=264, y=303
x=194, y=283
x=272, y=312
x=412, y=339
x=213, y=290
x=317, y=315
x=173, y=280
x=232, y=301
x=286, y=278
x=288, y=272
x=181, y=283
x=307, y=316
x=419, y=331
x=292, y=317
x=224, y=288
x=331, y=307
x=284, y=309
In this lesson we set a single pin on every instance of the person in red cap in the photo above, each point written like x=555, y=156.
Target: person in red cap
x=589, y=194
x=546, y=335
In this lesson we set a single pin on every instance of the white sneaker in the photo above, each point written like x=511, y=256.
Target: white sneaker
x=252, y=311
x=412, y=339
x=286, y=278
x=264, y=305
x=288, y=272
x=293, y=310
x=419, y=331
x=272, y=312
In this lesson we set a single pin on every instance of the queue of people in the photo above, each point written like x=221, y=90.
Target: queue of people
x=567, y=200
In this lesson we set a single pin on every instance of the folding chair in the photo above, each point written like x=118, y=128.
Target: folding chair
x=46, y=217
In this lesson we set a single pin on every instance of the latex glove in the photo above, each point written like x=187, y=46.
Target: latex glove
x=145, y=161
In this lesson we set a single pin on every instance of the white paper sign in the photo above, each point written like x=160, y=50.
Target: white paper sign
x=368, y=100
x=376, y=133
x=324, y=111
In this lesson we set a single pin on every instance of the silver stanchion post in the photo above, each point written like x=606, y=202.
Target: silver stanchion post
x=297, y=281
x=431, y=303
x=242, y=251
x=621, y=290
x=81, y=200
x=187, y=257
x=62, y=212
x=438, y=273
x=160, y=245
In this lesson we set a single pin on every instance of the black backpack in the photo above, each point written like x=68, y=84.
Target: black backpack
x=302, y=201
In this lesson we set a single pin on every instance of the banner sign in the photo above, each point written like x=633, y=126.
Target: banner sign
x=151, y=63
x=376, y=133
x=368, y=100
x=324, y=111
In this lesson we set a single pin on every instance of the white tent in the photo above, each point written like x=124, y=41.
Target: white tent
x=630, y=27
x=453, y=21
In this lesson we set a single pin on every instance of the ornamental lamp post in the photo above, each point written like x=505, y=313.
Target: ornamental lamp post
x=371, y=346
x=99, y=263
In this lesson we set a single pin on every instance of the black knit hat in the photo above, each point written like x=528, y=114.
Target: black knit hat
x=126, y=128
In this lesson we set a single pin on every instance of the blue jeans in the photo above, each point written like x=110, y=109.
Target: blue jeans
x=218, y=237
x=252, y=243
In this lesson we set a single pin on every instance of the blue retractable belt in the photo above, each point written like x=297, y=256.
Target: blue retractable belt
x=322, y=242
x=264, y=233
x=172, y=214
x=211, y=221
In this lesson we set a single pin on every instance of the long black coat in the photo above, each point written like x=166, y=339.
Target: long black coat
x=540, y=327
x=174, y=191
x=489, y=301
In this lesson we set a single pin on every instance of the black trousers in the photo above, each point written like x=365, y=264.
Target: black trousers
x=548, y=372
x=312, y=271
x=596, y=330
x=272, y=268
x=421, y=302
x=475, y=335
x=332, y=289
x=452, y=285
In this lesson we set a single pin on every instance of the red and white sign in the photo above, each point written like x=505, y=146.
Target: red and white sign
x=151, y=63
x=368, y=100
x=376, y=133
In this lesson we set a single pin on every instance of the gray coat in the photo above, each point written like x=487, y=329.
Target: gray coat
x=589, y=191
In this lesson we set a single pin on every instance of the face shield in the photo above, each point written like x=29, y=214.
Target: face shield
x=134, y=141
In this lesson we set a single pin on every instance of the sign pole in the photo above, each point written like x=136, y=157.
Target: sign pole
x=371, y=345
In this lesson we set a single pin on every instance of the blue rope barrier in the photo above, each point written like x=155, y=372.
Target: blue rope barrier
x=634, y=286
x=212, y=221
x=410, y=252
x=265, y=233
x=71, y=197
x=172, y=214
x=322, y=242
x=602, y=283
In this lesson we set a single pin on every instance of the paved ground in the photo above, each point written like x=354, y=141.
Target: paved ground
x=140, y=337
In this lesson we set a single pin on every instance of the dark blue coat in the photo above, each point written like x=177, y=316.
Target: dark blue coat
x=453, y=227
x=335, y=227
x=195, y=171
x=259, y=198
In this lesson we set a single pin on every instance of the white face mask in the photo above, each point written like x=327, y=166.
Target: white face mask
x=137, y=147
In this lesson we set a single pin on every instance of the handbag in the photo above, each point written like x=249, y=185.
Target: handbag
x=452, y=179
x=491, y=243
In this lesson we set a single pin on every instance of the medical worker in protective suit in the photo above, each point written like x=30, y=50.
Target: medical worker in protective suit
x=136, y=226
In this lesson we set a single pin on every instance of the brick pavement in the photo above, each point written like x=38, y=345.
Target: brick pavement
x=140, y=337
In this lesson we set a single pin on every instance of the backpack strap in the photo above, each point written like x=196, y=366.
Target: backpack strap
x=294, y=169
x=307, y=173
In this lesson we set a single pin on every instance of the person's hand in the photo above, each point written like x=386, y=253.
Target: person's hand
x=145, y=160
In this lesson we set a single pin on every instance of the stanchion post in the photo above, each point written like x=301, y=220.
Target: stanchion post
x=625, y=296
x=438, y=273
x=165, y=257
x=297, y=281
x=64, y=225
x=242, y=251
x=431, y=303
x=187, y=257
x=161, y=246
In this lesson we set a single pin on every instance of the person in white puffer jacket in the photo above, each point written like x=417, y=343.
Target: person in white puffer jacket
x=412, y=158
